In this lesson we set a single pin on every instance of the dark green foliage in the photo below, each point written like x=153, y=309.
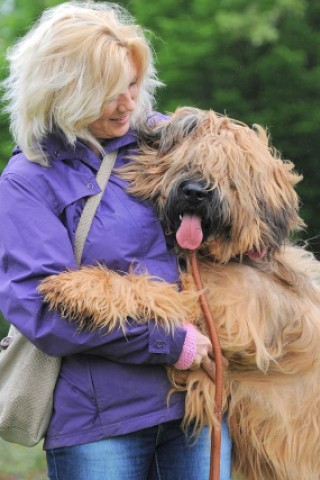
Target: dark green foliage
x=4, y=326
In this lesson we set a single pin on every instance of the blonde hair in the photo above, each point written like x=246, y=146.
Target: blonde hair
x=73, y=61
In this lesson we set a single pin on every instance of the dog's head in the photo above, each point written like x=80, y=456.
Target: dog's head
x=217, y=184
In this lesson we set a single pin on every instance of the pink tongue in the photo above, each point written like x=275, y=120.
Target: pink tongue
x=189, y=235
x=255, y=254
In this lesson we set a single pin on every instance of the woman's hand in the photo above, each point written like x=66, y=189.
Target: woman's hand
x=204, y=355
x=204, y=352
x=197, y=352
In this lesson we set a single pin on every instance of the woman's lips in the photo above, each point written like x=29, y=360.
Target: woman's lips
x=121, y=120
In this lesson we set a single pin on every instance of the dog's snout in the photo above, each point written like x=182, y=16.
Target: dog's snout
x=194, y=191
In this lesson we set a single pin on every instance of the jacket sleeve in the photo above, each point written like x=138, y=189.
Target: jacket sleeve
x=34, y=243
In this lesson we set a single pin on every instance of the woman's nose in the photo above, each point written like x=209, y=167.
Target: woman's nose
x=126, y=102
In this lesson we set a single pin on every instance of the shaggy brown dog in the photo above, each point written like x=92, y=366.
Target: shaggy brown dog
x=220, y=187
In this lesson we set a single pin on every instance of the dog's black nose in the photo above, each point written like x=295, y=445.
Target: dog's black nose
x=194, y=192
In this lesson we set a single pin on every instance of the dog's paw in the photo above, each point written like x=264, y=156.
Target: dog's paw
x=200, y=394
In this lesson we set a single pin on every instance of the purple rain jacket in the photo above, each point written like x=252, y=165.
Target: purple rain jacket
x=110, y=384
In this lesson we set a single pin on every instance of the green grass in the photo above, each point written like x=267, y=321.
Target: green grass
x=22, y=463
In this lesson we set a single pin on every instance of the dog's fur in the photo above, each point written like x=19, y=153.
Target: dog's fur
x=264, y=294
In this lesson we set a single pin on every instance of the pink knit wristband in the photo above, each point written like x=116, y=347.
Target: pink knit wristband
x=188, y=350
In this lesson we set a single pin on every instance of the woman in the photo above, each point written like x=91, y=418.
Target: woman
x=81, y=84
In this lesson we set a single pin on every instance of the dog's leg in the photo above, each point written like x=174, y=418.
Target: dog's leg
x=95, y=297
x=200, y=395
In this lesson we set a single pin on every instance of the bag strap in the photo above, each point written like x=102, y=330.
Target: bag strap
x=91, y=205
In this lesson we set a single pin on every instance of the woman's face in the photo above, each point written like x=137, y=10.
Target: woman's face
x=115, y=118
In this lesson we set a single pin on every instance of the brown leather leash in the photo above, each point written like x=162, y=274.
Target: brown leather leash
x=216, y=432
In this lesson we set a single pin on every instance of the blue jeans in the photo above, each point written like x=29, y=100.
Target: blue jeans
x=157, y=453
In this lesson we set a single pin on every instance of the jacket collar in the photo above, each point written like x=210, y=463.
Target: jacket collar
x=58, y=149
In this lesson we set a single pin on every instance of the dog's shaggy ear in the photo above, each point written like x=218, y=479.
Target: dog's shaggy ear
x=280, y=203
x=164, y=137
x=278, y=200
x=281, y=223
